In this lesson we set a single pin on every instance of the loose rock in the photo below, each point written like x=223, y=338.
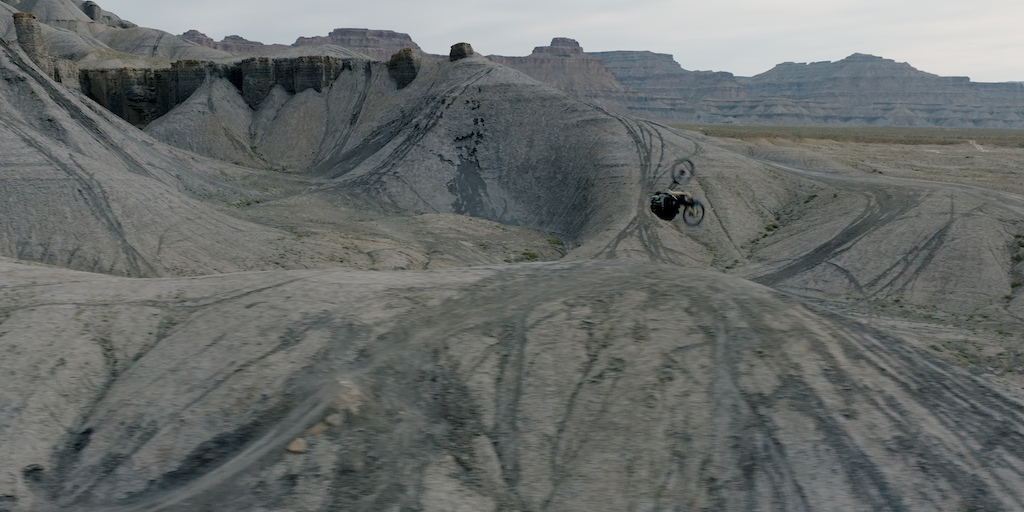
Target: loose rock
x=299, y=445
x=460, y=51
x=317, y=429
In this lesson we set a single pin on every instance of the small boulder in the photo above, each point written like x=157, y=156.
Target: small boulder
x=404, y=66
x=460, y=51
x=92, y=10
x=299, y=445
x=348, y=399
x=316, y=430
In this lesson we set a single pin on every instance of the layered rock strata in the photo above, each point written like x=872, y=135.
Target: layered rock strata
x=858, y=90
x=261, y=74
x=140, y=96
x=30, y=38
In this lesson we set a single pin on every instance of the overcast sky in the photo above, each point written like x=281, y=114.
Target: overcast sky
x=982, y=39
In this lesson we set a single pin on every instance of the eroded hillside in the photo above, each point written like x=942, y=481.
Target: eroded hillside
x=781, y=356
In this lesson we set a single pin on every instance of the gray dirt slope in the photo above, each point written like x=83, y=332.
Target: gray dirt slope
x=552, y=386
x=82, y=190
x=471, y=137
x=743, y=365
x=70, y=34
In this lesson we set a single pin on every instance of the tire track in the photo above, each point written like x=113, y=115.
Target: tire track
x=642, y=227
x=885, y=205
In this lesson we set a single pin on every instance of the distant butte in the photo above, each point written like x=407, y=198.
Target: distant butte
x=379, y=44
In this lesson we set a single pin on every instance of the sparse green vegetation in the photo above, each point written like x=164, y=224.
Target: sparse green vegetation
x=771, y=227
x=1019, y=256
x=810, y=198
x=527, y=255
x=556, y=242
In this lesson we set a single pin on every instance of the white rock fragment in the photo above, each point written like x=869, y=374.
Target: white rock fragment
x=299, y=445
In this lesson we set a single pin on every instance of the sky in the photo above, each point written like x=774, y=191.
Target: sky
x=981, y=39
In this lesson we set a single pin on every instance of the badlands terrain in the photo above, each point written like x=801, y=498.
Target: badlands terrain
x=327, y=280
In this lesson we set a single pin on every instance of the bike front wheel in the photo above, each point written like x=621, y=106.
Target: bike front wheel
x=693, y=214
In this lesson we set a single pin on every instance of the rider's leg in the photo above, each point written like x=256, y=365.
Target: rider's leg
x=686, y=200
x=680, y=195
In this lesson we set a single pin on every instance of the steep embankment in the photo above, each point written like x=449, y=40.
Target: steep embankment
x=83, y=189
x=471, y=137
x=474, y=138
x=464, y=137
x=569, y=386
x=100, y=38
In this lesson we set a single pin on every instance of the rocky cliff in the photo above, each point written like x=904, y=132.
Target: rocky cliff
x=141, y=95
x=30, y=38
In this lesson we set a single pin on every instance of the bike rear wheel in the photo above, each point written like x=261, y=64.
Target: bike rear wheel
x=682, y=171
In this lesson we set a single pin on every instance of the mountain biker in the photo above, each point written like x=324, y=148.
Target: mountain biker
x=666, y=204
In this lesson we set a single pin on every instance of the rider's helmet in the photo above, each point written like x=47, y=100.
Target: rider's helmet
x=665, y=205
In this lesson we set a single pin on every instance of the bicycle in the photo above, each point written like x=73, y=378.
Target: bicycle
x=668, y=204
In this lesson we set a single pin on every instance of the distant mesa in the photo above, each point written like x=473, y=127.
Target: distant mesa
x=199, y=38
x=858, y=90
x=231, y=44
x=565, y=66
x=378, y=44
x=562, y=46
